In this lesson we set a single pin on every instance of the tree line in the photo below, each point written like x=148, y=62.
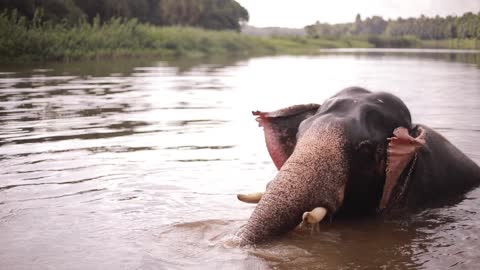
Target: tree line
x=466, y=26
x=210, y=14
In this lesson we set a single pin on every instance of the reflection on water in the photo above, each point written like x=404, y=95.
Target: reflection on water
x=135, y=163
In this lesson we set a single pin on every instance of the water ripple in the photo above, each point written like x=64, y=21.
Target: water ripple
x=102, y=160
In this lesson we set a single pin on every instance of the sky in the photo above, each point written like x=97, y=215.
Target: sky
x=299, y=13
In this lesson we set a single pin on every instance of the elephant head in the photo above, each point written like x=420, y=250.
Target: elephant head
x=353, y=155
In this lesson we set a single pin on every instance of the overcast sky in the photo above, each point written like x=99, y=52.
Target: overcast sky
x=298, y=13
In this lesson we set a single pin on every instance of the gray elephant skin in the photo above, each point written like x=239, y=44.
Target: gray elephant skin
x=357, y=154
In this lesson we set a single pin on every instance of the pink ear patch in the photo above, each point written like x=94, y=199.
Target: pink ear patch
x=401, y=150
x=280, y=128
x=276, y=148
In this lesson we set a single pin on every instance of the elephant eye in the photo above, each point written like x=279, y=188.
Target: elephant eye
x=365, y=149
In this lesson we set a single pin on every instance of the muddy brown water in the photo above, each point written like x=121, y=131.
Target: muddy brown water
x=134, y=164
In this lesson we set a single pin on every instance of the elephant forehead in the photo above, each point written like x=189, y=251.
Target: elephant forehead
x=348, y=104
x=367, y=110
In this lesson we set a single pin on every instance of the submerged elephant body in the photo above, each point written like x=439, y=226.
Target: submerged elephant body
x=356, y=154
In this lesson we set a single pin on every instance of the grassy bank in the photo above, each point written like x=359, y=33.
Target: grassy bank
x=413, y=42
x=451, y=44
x=23, y=41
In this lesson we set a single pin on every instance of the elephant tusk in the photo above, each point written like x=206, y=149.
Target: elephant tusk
x=314, y=216
x=250, y=198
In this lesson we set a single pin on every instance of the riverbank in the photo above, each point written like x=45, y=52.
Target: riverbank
x=467, y=44
x=22, y=41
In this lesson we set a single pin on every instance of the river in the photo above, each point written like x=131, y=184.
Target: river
x=135, y=164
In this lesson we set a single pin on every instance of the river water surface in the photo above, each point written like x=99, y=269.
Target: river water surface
x=136, y=164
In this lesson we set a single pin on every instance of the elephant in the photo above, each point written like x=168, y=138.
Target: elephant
x=358, y=154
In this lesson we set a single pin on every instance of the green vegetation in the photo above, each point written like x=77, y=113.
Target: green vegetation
x=466, y=26
x=452, y=44
x=452, y=32
x=43, y=36
x=394, y=42
x=23, y=40
x=210, y=14
x=413, y=42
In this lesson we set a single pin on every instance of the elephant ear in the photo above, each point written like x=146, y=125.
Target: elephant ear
x=281, y=127
x=401, y=150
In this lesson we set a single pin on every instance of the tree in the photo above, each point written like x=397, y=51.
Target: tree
x=212, y=14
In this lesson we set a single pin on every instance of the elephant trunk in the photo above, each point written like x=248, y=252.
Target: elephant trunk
x=314, y=176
